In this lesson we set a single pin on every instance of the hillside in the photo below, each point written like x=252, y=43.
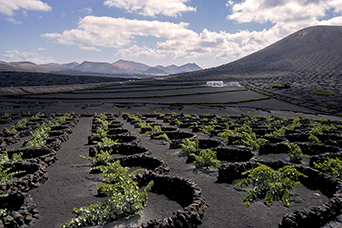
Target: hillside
x=130, y=66
x=311, y=50
x=105, y=68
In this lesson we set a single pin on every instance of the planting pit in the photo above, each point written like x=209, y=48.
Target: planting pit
x=146, y=162
x=3, y=145
x=22, y=210
x=10, y=138
x=121, y=150
x=181, y=190
x=61, y=135
x=229, y=154
x=65, y=127
x=44, y=154
x=127, y=139
x=34, y=175
x=314, y=213
x=24, y=131
x=323, y=157
x=175, y=137
x=163, y=128
x=51, y=142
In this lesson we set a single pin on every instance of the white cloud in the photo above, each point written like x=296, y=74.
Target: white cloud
x=8, y=7
x=41, y=49
x=86, y=10
x=12, y=20
x=63, y=15
x=136, y=51
x=87, y=48
x=180, y=42
x=15, y=56
x=118, y=32
x=172, y=8
x=276, y=11
x=332, y=21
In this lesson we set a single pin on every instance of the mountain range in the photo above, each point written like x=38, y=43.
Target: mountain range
x=121, y=67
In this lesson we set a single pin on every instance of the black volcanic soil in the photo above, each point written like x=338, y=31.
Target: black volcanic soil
x=15, y=79
x=71, y=185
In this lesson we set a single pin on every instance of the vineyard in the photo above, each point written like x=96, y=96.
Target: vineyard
x=169, y=170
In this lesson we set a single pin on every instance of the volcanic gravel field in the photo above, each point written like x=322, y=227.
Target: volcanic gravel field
x=58, y=179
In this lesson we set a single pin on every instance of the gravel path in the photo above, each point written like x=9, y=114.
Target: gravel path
x=69, y=183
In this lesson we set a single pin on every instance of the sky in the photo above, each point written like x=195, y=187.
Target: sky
x=154, y=32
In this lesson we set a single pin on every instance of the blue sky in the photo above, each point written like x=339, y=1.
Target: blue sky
x=154, y=32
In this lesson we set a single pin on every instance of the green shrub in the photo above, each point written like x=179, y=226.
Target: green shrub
x=206, y=158
x=6, y=114
x=295, y=124
x=330, y=166
x=102, y=156
x=206, y=129
x=41, y=132
x=36, y=142
x=277, y=133
x=177, y=122
x=100, y=132
x=227, y=133
x=108, y=142
x=101, y=116
x=276, y=85
x=159, y=114
x=10, y=130
x=37, y=116
x=4, y=158
x=295, y=153
x=21, y=123
x=188, y=146
x=6, y=174
x=244, y=127
x=164, y=137
x=250, y=140
x=125, y=198
x=322, y=92
x=314, y=139
x=317, y=130
x=270, y=184
x=104, y=123
x=143, y=124
x=154, y=129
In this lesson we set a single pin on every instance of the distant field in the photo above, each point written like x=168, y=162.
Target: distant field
x=142, y=92
x=163, y=93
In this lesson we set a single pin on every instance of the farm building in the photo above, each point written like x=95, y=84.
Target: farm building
x=234, y=84
x=215, y=83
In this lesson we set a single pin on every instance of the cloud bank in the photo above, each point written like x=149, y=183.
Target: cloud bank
x=8, y=7
x=15, y=56
x=171, y=8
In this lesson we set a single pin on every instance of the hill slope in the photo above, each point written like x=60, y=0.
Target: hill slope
x=99, y=68
x=315, y=50
x=130, y=66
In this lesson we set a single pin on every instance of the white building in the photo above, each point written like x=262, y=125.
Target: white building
x=237, y=84
x=215, y=83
